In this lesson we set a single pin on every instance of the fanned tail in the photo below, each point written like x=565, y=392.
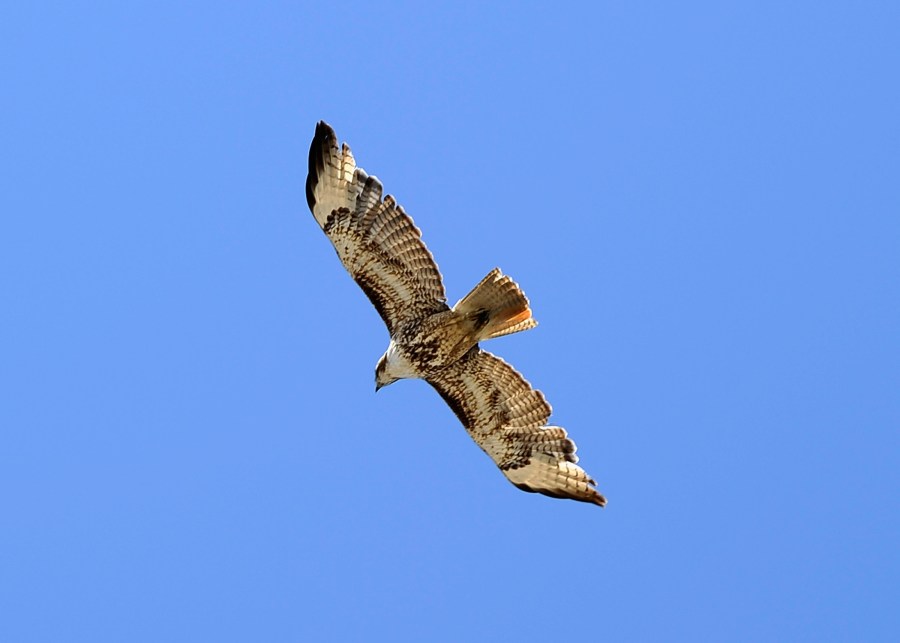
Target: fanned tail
x=495, y=307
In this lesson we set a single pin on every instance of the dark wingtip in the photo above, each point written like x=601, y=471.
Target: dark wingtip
x=595, y=498
x=324, y=130
x=323, y=139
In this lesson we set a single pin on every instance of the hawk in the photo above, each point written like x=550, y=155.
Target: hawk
x=382, y=249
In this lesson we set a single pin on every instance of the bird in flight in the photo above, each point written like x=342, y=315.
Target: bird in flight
x=382, y=249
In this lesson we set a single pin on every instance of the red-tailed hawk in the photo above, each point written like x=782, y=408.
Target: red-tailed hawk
x=382, y=249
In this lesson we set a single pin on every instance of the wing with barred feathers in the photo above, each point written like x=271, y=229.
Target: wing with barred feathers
x=507, y=418
x=377, y=242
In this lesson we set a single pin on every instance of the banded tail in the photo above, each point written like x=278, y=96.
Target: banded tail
x=496, y=307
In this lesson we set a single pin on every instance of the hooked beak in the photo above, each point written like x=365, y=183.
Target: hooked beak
x=378, y=385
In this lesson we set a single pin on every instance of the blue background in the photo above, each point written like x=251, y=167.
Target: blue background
x=700, y=200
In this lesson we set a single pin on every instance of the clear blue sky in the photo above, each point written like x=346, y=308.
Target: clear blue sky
x=700, y=200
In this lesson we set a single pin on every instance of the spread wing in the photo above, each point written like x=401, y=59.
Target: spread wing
x=377, y=242
x=507, y=418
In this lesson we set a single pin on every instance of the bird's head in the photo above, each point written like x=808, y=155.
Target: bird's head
x=382, y=377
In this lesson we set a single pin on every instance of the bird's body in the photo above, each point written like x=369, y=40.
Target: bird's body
x=423, y=347
x=382, y=250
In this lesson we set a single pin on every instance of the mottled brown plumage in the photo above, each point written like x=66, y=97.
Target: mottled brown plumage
x=382, y=249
